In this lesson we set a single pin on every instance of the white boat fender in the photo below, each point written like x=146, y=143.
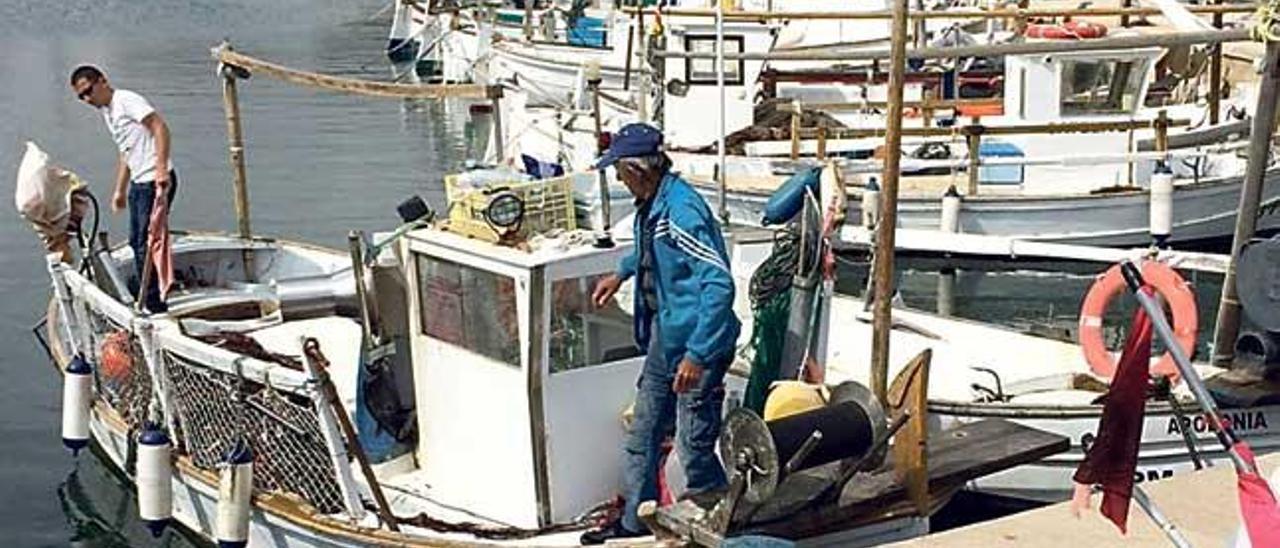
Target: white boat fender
x=154, y=479
x=77, y=394
x=870, y=203
x=235, y=490
x=1161, y=210
x=950, y=221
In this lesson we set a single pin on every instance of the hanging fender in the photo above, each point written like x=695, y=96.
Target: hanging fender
x=1175, y=292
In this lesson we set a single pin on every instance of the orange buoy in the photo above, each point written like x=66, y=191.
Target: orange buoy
x=1067, y=30
x=117, y=359
x=1177, y=295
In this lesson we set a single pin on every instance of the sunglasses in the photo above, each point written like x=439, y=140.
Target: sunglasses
x=84, y=95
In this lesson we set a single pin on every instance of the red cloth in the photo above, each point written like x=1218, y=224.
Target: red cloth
x=1257, y=503
x=159, y=243
x=1114, y=456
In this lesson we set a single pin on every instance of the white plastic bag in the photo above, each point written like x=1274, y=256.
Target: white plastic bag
x=41, y=196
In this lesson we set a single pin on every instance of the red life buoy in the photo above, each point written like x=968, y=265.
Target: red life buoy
x=1068, y=30
x=1177, y=295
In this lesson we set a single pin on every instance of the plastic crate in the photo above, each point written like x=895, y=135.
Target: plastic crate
x=1004, y=174
x=548, y=205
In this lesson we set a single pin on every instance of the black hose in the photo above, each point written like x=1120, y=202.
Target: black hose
x=86, y=240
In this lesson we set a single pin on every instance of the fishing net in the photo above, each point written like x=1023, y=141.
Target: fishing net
x=126, y=385
x=290, y=451
x=770, y=308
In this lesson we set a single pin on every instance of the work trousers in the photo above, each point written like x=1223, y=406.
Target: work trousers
x=696, y=415
x=142, y=197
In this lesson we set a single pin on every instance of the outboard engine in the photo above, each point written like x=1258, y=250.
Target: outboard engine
x=1258, y=286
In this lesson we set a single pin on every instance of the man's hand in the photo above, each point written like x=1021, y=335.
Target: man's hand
x=605, y=289
x=162, y=179
x=118, y=201
x=687, y=376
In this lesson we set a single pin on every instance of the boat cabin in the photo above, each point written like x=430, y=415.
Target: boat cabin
x=1068, y=86
x=520, y=381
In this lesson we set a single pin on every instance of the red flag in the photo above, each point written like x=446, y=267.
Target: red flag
x=1257, y=503
x=159, y=246
x=1114, y=456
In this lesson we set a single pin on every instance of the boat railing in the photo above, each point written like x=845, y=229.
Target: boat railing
x=206, y=396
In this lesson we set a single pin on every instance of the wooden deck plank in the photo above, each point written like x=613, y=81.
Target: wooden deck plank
x=954, y=457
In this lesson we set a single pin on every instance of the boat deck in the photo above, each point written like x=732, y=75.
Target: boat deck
x=1202, y=505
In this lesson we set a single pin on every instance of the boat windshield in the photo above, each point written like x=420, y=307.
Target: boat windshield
x=1100, y=86
x=470, y=308
x=583, y=335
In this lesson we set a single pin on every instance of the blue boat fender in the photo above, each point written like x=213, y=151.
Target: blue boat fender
x=788, y=200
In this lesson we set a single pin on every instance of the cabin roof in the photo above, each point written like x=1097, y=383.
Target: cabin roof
x=570, y=245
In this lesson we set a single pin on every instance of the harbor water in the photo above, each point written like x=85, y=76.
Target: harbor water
x=319, y=165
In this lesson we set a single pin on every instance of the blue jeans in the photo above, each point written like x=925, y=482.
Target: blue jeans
x=141, y=197
x=696, y=417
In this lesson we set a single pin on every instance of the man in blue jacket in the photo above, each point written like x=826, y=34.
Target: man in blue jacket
x=683, y=315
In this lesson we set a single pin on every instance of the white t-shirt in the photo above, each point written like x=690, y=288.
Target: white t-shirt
x=124, y=120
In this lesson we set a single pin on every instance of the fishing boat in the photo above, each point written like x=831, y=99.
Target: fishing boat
x=444, y=383
x=1051, y=158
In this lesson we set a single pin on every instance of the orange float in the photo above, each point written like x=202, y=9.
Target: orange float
x=1177, y=296
x=1067, y=30
x=116, y=357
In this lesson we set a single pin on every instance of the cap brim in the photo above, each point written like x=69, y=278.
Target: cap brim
x=607, y=160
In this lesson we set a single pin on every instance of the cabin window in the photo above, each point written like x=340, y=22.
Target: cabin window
x=1100, y=86
x=703, y=71
x=469, y=307
x=583, y=335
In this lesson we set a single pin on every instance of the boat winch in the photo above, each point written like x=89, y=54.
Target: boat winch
x=761, y=456
x=77, y=395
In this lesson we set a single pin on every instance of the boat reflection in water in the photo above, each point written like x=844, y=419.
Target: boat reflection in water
x=102, y=511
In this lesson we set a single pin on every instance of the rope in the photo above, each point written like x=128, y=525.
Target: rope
x=1264, y=24
x=227, y=56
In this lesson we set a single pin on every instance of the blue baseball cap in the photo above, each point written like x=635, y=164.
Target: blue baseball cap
x=636, y=139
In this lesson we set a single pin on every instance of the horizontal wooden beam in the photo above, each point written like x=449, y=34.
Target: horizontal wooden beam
x=224, y=54
x=978, y=129
x=941, y=14
x=986, y=50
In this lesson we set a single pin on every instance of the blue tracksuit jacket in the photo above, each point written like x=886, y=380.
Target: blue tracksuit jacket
x=692, y=281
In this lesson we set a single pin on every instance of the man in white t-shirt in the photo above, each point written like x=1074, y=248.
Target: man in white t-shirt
x=143, y=167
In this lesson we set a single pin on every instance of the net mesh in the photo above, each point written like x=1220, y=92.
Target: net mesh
x=127, y=384
x=214, y=409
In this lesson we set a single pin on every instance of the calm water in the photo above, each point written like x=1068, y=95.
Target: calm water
x=318, y=166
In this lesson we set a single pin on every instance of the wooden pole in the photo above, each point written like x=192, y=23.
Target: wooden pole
x=822, y=142
x=320, y=365
x=795, y=129
x=1264, y=121
x=1124, y=17
x=1215, y=73
x=235, y=149
x=973, y=137
x=885, y=228
x=626, y=73
x=235, y=152
x=528, y=20
x=1161, y=126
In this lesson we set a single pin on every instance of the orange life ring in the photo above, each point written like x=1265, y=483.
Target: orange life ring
x=1068, y=30
x=1177, y=295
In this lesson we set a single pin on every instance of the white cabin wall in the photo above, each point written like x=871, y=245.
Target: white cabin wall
x=693, y=120
x=474, y=444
